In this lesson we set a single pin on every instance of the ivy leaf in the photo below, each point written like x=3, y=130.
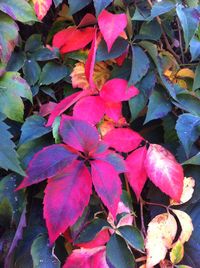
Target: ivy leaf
x=72, y=39
x=123, y=139
x=65, y=188
x=187, y=130
x=18, y=10
x=75, y=6
x=84, y=257
x=12, y=87
x=136, y=174
x=107, y=184
x=164, y=171
x=100, y=5
x=117, y=253
x=160, y=235
x=8, y=156
x=189, y=18
x=111, y=26
x=56, y=157
x=42, y=254
x=41, y=7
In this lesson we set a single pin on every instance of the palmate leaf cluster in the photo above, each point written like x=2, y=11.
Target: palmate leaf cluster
x=99, y=125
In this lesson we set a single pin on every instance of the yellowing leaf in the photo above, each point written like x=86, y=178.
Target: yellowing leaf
x=177, y=252
x=41, y=7
x=160, y=235
x=188, y=189
x=186, y=225
x=185, y=72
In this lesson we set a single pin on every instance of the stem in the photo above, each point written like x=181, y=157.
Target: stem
x=142, y=217
x=156, y=204
x=180, y=40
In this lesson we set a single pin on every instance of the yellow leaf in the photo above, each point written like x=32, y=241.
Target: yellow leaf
x=160, y=235
x=186, y=225
x=177, y=252
x=188, y=189
x=41, y=7
x=185, y=72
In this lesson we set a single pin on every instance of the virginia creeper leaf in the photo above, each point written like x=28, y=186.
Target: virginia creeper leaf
x=41, y=7
x=164, y=171
x=47, y=163
x=177, y=252
x=107, y=184
x=136, y=174
x=115, y=160
x=75, y=6
x=113, y=110
x=100, y=5
x=111, y=26
x=31, y=70
x=72, y=39
x=79, y=134
x=66, y=196
x=123, y=139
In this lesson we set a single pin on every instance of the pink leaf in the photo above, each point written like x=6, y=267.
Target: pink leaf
x=47, y=163
x=72, y=39
x=91, y=109
x=66, y=196
x=65, y=104
x=47, y=108
x=107, y=184
x=116, y=90
x=113, y=110
x=137, y=173
x=87, y=258
x=79, y=134
x=111, y=26
x=87, y=20
x=41, y=7
x=123, y=139
x=164, y=171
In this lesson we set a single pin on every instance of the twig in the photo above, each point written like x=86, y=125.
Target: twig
x=180, y=40
x=142, y=217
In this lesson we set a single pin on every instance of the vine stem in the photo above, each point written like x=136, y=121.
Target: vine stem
x=142, y=217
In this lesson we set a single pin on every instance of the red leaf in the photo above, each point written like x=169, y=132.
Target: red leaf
x=111, y=26
x=114, y=110
x=87, y=258
x=47, y=108
x=164, y=171
x=65, y=104
x=123, y=139
x=66, y=196
x=47, y=163
x=72, y=39
x=87, y=20
x=137, y=173
x=79, y=134
x=116, y=90
x=41, y=7
x=107, y=184
x=90, y=108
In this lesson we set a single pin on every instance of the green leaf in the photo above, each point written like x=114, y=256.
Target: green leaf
x=12, y=87
x=42, y=253
x=160, y=8
x=170, y=134
x=140, y=65
x=100, y=5
x=177, y=252
x=77, y=5
x=158, y=107
x=188, y=102
x=8, y=37
x=8, y=155
x=31, y=71
x=44, y=54
x=195, y=48
x=33, y=43
x=57, y=2
x=16, y=61
x=189, y=18
x=33, y=128
x=52, y=73
x=5, y=213
x=55, y=129
x=149, y=30
x=187, y=130
x=195, y=160
x=18, y=10
x=133, y=236
x=196, y=83
x=117, y=253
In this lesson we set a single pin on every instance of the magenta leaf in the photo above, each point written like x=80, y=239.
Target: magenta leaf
x=111, y=26
x=107, y=184
x=114, y=110
x=164, y=171
x=117, y=89
x=87, y=258
x=136, y=174
x=79, y=134
x=66, y=196
x=47, y=163
x=123, y=139
x=91, y=109
x=115, y=160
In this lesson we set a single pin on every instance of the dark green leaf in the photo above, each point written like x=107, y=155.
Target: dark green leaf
x=196, y=83
x=5, y=213
x=187, y=130
x=100, y=5
x=188, y=102
x=149, y=30
x=195, y=160
x=33, y=43
x=133, y=236
x=16, y=62
x=52, y=73
x=31, y=71
x=77, y=5
x=117, y=253
x=49, y=91
x=160, y=8
x=195, y=48
x=170, y=135
x=140, y=65
x=42, y=254
x=44, y=54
